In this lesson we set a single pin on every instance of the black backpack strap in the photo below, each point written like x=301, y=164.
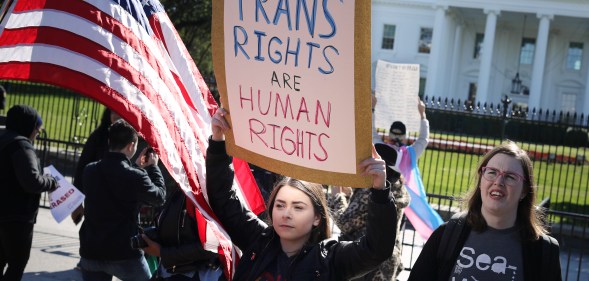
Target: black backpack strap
x=548, y=251
x=449, y=242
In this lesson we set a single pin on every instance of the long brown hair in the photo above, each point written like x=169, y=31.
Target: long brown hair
x=315, y=192
x=529, y=217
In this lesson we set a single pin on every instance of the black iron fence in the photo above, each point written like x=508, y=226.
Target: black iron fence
x=460, y=133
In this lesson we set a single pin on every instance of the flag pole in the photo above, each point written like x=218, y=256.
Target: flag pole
x=3, y=11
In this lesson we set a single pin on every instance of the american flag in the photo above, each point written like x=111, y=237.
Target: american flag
x=127, y=55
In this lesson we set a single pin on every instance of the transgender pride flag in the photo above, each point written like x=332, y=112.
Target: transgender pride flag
x=421, y=215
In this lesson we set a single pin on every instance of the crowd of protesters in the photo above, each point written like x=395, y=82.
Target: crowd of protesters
x=293, y=240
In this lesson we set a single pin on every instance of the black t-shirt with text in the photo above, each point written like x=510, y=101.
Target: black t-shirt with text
x=494, y=255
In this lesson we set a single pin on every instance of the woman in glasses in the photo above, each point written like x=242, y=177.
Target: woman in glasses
x=501, y=236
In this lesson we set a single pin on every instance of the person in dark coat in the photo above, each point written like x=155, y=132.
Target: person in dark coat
x=296, y=245
x=94, y=149
x=176, y=241
x=22, y=184
x=114, y=190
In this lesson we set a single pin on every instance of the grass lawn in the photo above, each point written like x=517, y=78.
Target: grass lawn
x=67, y=116
x=559, y=150
x=451, y=174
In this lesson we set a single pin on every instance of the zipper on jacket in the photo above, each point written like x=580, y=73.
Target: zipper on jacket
x=183, y=217
x=290, y=267
x=253, y=257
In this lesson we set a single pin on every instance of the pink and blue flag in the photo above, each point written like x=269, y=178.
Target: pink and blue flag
x=419, y=212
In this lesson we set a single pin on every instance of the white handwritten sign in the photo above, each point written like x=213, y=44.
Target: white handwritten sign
x=65, y=199
x=397, y=88
x=296, y=82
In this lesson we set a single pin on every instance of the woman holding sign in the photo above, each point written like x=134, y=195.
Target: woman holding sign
x=295, y=246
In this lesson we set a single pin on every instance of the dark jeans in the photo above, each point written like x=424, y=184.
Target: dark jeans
x=180, y=277
x=16, y=239
x=135, y=269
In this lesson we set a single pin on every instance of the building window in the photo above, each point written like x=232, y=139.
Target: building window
x=569, y=102
x=388, y=37
x=478, y=45
x=472, y=97
x=527, y=51
x=421, y=87
x=575, y=56
x=425, y=40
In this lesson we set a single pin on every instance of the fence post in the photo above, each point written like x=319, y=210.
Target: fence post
x=505, y=101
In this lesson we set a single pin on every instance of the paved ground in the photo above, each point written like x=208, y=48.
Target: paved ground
x=55, y=250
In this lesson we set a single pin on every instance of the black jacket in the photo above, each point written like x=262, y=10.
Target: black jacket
x=94, y=149
x=428, y=267
x=177, y=233
x=327, y=260
x=21, y=177
x=114, y=189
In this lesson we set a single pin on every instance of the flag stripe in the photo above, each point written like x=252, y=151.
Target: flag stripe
x=246, y=180
x=418, y=224
x=188, y=71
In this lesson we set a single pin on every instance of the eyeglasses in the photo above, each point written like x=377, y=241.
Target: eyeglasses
x=510, y=178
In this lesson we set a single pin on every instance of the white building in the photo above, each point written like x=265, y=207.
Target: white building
x=549, y=39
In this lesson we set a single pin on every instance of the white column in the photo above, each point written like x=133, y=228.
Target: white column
x=432, y=86
x=457, y=50
x=539, y=62
x=585, y=108
x=487, y=58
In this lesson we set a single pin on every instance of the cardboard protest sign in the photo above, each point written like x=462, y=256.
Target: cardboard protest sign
x=295, y=78
x=397, y=88
x=65, y=199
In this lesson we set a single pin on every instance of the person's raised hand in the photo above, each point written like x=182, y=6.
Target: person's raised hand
x=421, y=108
x=219, y=125
x=147, y=157
x=375, y=167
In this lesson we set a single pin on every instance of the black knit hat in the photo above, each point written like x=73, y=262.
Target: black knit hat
x=23, y=119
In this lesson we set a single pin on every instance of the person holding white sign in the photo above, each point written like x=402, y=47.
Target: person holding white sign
x=398, y=133
x=22, y=185
x=296, y=244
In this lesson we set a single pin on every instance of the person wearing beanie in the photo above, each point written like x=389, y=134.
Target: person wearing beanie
x=22, y=184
